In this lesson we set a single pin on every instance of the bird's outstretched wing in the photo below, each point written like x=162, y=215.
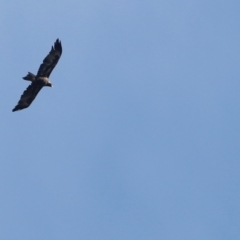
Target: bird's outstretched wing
x=28, y=96
x=50, y=60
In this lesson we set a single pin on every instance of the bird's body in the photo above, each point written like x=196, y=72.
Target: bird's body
x=41, y=79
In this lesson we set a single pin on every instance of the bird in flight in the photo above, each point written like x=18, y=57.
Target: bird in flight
x=41, y=79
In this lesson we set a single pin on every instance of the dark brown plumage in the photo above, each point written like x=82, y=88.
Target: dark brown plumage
x=42, y=77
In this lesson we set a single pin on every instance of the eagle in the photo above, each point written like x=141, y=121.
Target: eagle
x=41, y=79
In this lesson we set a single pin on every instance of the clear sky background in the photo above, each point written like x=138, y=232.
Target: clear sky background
x=139, y=137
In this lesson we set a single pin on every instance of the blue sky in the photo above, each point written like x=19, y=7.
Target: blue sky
x=138, y=138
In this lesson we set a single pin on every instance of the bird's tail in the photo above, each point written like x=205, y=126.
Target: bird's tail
x=29, y=77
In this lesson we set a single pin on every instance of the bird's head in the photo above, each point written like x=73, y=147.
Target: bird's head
x=49, y=84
